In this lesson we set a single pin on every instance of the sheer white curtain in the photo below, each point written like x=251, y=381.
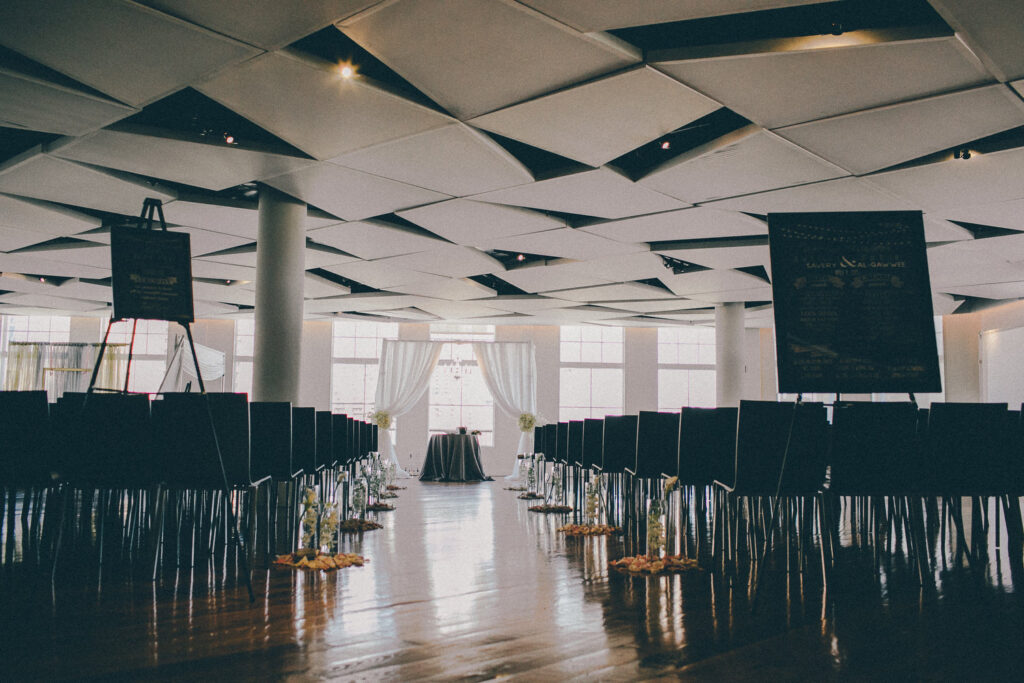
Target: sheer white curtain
x=509, y=370
x=211, y=363
x=60, y=367
x=402, y=378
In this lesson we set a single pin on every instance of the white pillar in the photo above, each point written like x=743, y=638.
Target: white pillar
x=729, y=343
x=960, y=356
x=280, y=280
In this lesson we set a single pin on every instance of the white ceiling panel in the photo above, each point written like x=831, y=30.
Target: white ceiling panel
x=564, y=243
x=457, y=310
x=1007, y=248
x=617, y=268
x=870, y=140
x=359, y=303
x=820, y=76
x=450, y=260
x=201, y=164
x=453, y=289
x=991, y=28
x=317, y=287
x=221, y=271
x=685, y=224
x=705, y=281
x=601, y=192
x=117, y=47
x=314, y=108
x=11, y=239
x=476, y=224
x=43, y=218
x=842, y=194
x=269, y=24
x=374, y=239
x=955, y=183
x=576, y=315
x=521, y=303
x=241, y=256
x=37, y=104
x=955, y=265
x=318, y=256
x=623, y=112
x=42, y=176
x=54, y=302
x=204, y=309
x=453, y=159
x=943, y=304
x=654, y=306
x=200, y=241
x=746, y=161
x=535, y=279
x=625, y=291
x=493, y=53
x=240, y=219
x=413, y=314
x=999, y=214
x=76, y=289
x=939, y=230
x=732, y=295
x=723, y=257
x=228, y=294
x=13, y=282
x=349, y=194
x=601, y=15
x=689, y=316
x=373, y=274
x=83, y=254
x=1002, y=290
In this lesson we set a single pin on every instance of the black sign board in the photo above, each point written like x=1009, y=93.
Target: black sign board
x=853, y=304
x=152, y=274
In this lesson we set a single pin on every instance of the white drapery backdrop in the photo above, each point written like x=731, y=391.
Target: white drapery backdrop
x=403, y=376
x=58, y=367
x=211, y=363
x=509, y=370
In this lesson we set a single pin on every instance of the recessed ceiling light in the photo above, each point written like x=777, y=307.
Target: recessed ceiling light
x=666, y=144
x=520, y=257
x=347, y=71
x=228, y=138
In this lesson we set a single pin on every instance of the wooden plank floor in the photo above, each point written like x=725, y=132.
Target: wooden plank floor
x=465, y=584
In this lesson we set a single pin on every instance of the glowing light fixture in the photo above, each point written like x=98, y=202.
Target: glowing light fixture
x=347, y=71
x=520, y=257
x=666, y=145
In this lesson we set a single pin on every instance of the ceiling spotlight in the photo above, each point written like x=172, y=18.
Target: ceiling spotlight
x=42, y=279
x=347, y=71
x=228, y=138
x=227, y=282
x=837, y=28
x=520, y=257
x=666, y=144
x=962, y=153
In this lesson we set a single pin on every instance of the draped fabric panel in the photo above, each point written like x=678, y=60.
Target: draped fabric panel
x=181, y=367
x=509, y=370
x=61, y=367
x=403, y=377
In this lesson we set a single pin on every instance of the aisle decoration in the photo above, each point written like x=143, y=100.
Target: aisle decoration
x=554, y=489
x=375, y=475
x=359, y=523
x=319, y=520
x=527, y=421
x=531, y=482
x=594, y=513
x=654, y=562
x=314, y=560
x=550, y=508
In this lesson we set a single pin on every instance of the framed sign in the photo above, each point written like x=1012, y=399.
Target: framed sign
x=853, y=303
x=152, y=274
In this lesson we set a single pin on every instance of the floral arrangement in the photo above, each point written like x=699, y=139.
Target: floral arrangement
x=655, y=529
x=531, y=475
x=595, y=506
x=530, y=495
x=381, y=418
x=527, y=421
x=379, y=507
x=319, y=520
x=316, y=561
x=550, y=509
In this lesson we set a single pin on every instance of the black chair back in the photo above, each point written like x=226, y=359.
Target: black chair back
x=538, y=439
x=303, y=440
x=575, y=449
x=550, y=434
x=875, y=449
x=271, y=439
x=593, y=442
x=340, y=441
x=561, y=442
x=707, y=445
x=110, y=440
x=187, y=444
x=619, y=449
x=970, y=448
x=657, y=444
x=764, y=439
x=24, y=430
x=324, y=440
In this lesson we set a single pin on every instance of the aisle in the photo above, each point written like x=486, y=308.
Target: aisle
x=464, y=583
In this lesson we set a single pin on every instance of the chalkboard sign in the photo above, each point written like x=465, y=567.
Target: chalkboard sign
x=853, y=304
x=152, y=274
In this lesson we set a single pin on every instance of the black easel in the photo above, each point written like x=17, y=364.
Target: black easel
x=152, y=209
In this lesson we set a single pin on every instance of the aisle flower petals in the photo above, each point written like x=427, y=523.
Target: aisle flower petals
x=643, y=564
x=357, y=526
x=550, y=509
x=316, y=561
x=589, y=530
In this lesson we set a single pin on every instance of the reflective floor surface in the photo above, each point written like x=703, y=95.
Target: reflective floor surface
x=465, y=584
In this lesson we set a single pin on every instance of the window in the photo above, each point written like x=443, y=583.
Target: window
x=149, y=355
x=241, y=377
x=458, y=395
x=31, y=328
x=355, y=349
x=591, y=376
x=686, y=367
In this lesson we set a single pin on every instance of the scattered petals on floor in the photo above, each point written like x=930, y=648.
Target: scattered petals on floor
x=589, y=529
x=379, y=507
x=353, y=526
x=530, y=495
x=642, y=564
x=317, y=561
x=550, y=509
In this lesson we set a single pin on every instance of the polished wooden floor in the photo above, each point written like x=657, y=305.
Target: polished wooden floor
x=465, y=584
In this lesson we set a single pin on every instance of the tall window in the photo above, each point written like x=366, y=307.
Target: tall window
x=591, y=376
x=356, y=351
x=149, y=355
x=31, y=328
x=686, y=367
x=241, y=377
x=458, y=395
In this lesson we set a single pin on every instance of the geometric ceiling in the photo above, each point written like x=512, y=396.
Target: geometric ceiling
x=506, y=161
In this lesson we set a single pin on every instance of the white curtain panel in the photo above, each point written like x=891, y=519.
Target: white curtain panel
x=211, y=363
x=509, y=370
x=62, y=367
x=403, y=377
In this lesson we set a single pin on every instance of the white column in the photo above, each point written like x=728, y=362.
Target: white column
x=729, y=343
x=640, y=369
x=280, y=280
